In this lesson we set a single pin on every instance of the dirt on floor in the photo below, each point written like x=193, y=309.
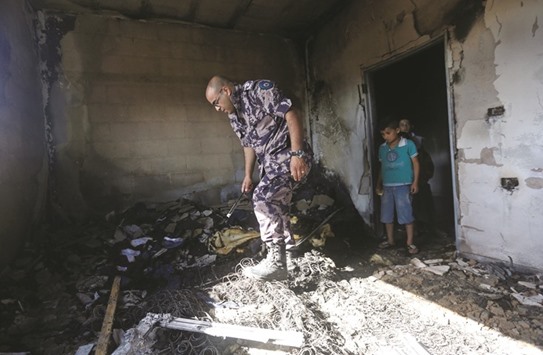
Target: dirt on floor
x=181, y=260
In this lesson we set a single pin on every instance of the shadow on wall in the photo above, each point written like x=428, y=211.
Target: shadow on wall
x=105, y=187
x=98, y=186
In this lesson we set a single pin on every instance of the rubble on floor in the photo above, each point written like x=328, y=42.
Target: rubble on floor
x=184, y=260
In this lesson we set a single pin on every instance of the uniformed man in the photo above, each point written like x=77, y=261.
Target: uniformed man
x=271, y=132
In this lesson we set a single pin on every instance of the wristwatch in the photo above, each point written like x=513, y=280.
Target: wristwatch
x=297, y=153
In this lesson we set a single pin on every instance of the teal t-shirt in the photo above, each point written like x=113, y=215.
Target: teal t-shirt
x=396, y=165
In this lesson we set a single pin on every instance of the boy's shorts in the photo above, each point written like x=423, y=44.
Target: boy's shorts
x=399, y=197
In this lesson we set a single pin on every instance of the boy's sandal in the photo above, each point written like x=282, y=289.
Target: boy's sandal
x=412, y=249
x=385, y=245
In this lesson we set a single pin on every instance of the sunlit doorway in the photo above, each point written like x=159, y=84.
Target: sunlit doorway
x=415, y=87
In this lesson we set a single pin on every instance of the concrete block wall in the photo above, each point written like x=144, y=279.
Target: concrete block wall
x=23, y=165
x=131, y=120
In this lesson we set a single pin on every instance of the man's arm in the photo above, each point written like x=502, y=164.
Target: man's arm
x=298, y=167
x=295, y=129
x=250, y=159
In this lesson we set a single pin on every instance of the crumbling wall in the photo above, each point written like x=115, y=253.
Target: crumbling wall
x=494, y=52
x=363, y=36
x=130, y=119
x=499, y=115
x=23, y=168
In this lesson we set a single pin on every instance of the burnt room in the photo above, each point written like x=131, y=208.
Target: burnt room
x=213, y=177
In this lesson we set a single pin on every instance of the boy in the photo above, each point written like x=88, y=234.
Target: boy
x=406, y=129
x=398, y=179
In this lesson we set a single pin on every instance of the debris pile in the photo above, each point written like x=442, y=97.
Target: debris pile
x=54, y=296
x=489, y=293
x=180, y=265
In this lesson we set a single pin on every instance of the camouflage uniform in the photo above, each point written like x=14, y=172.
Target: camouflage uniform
x=259, y=122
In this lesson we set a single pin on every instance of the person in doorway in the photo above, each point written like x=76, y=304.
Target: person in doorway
x=423, y=202
x=271, y=132
x=397, y=182
x=407, y=130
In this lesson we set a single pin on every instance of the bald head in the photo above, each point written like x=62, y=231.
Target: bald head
x=218, y=93
x=215, y=84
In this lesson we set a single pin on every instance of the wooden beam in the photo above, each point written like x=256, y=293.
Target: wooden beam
x=107, y=325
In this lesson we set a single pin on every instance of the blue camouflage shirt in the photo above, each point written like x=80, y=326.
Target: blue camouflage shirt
x=259, y=122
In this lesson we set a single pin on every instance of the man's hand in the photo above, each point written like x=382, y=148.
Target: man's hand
x=414, y=188
x=298, y=168
x=247, y=185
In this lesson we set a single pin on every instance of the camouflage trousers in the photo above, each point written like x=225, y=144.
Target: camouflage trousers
x=271, y=200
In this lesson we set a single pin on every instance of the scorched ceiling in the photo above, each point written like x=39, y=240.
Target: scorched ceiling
x=288, y=18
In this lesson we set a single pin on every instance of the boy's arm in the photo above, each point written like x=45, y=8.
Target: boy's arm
x=379, y=184
x=416, y=171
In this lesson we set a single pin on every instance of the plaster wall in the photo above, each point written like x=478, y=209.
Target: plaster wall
x=23, y=168
x=363, y=36
x=503, y=61
x=494, y=59
x=130, y=116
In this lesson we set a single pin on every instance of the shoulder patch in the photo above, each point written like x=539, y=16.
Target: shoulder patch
x=265, y=84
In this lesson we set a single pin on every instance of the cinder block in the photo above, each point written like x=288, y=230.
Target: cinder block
x=129, y=131
x=177, y=130
x=216, y=145
x=136, y=47
x=93, y=24
x=100, y=132
x=205, y=129
x=97, y=93
x=126, y=166
x=175, y=33
x=187, y=178
x=202, y=161
x=186, y=146
x=149, y=149
x=126, y=64
x=112, y=150
x=149, y=186
x=163, y=165
x=218, y=177
x=124, y=93
x=108, y=112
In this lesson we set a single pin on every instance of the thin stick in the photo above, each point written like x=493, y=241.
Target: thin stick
x=299, y=242
x=105, y=333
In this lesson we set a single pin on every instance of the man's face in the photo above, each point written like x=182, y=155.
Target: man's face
x=221, y=100
x=390, y=134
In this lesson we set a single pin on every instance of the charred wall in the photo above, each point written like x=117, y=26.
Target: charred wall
x=493, y=82
x=23, y=171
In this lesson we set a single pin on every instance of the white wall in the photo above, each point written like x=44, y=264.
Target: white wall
x=498, y=60
x=503, y=61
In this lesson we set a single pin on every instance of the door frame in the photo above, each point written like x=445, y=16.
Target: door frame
x=369, y=89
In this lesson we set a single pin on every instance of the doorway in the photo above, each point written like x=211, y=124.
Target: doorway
x=415, y=87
